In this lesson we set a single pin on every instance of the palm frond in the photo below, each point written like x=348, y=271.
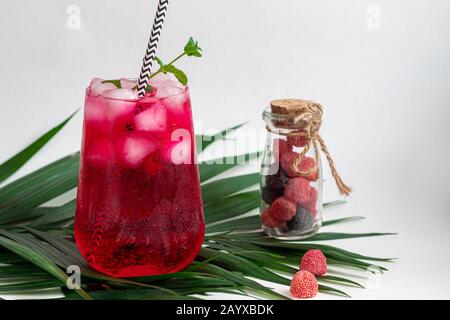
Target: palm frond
x=205, y=141
x=9, y=167
x=37, y=240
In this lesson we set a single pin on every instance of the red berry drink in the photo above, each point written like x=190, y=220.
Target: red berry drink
x=139, y=207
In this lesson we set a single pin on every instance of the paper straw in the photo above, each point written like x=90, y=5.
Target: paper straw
x=152, y=46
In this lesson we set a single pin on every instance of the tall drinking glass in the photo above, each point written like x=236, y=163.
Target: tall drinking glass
x=139, y=208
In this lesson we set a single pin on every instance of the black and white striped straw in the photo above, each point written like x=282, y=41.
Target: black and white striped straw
x=152, y=46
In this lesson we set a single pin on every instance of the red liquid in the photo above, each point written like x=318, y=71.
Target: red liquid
x=139, y=211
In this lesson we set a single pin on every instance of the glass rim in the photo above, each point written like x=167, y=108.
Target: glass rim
x=282, y=123
x=184, y=89
x=268, y=114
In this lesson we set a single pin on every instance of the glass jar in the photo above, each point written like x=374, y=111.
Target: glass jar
x=291, y=178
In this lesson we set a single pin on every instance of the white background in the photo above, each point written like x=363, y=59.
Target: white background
x=381, y=68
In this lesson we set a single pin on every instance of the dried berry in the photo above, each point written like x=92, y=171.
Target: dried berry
x=280, y=147
x=286, y=162
x=297, y=139
x=309, y=168
x=298, y=190
x=304, y=285
x=269, y=195
x=273, y=186
x=315, y=262
x=306, y=168
x=283, y=209
x=311, y=205
x=303, y=220
x=268, y=220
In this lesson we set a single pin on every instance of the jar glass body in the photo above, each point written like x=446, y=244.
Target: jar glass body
x=291, y=182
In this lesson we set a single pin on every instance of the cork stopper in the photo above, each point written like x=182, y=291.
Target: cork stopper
x=289, y=106
x=290, y=112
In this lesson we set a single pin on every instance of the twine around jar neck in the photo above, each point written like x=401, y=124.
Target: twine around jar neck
x=311, y=118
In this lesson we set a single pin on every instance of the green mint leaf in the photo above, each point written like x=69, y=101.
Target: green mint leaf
x=161, y=64
x=148, y=89
x=192, y=49
x=180, y=75
x=115, y=82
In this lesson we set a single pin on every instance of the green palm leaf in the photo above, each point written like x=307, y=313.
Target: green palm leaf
x=323, y=288
x=31, y=285
x=232, y=206
x=37, y=188
x=246, y=223
x=238, y=278
x=212, y=168
x=38, y=240
x=336, y=221
x=10, y=166
x=242, y=265
x=56, y=216
x=40, y=261
x=339, y=280
x=337, y=236
x=205, y=141
x=218, y=190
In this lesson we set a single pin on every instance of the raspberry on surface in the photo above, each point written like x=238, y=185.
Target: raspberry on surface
x=298, y=190
x=283, y=209
x=268, y=220
x=315, y=262
x=304, y=285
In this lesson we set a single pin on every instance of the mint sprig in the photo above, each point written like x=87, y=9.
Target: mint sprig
x=148, y=89
x=191, y=49
x=170, y=68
